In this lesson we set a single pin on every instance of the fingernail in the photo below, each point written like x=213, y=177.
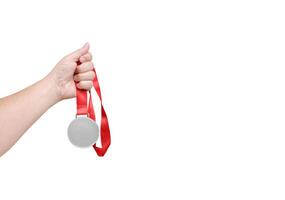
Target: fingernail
x=86, y=44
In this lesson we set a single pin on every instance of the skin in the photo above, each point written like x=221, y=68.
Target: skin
x=26, y=106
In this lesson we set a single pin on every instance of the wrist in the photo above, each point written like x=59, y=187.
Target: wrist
x=52, y=88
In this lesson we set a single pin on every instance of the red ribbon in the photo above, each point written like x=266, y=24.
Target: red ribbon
x=81, y=103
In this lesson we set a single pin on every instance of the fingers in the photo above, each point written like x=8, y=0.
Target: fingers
x=84, y=85
x=86, y=76
x=78, y=53
x=84, y=67
x=85, y=58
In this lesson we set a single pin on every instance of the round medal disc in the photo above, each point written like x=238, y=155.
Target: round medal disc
x=83, y=132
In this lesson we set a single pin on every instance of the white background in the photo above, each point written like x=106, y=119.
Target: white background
x=194, y=91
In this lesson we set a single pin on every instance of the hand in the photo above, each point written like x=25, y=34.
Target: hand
x=75, y=67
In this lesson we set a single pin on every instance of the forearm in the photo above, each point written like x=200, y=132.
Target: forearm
x=20, y=110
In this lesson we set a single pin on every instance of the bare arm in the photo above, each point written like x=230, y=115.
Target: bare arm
x=20, y=110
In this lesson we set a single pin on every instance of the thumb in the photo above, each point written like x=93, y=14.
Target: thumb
x=79, y=52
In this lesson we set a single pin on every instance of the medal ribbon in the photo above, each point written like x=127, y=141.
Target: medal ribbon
x=81, y=103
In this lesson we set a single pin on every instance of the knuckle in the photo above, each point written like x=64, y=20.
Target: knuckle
x=90, y=85
x=81, y=67
x=91, y=65
x=88, y=63
x=90, y=56
x=92, y=75
x=85, y=66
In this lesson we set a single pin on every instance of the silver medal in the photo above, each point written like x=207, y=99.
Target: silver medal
x=83, y=132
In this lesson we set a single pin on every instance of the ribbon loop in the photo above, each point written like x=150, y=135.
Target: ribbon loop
x=81, y=103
